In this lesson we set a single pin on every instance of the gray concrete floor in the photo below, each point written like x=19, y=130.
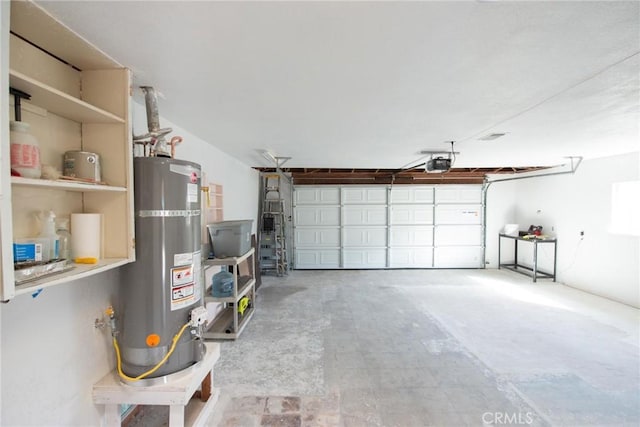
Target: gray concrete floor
x=436, y=347
x=430, y=347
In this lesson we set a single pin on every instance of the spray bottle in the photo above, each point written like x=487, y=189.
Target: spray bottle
x=25, y=150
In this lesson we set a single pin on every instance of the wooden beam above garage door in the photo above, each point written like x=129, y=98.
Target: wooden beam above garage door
x=318, y=176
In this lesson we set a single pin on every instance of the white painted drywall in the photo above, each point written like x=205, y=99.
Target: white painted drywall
x=501, y=210
x=602, y=262
x=51, y=354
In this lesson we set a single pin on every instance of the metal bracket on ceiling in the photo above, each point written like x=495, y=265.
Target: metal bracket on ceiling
x=277, y=160
x=434, y=152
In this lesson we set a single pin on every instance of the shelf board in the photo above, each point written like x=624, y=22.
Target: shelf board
x=63, y=185
x=241, y=292
x=80, y=271
x=218, y=327
x=60, y=103
x=228, y=261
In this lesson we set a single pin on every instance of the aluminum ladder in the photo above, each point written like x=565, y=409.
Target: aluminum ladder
x=273, y=244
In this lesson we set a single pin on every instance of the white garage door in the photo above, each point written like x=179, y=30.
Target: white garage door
x=388, y=227
x=458, y=227
x=364, y=227
x=316, y=219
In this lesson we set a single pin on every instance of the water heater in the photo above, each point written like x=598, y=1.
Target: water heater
x=161, y=288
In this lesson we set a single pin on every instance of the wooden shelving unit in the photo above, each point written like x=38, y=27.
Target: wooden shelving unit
x=229, y=324
x=60, y=103
x=78, y=272
x=88, y=110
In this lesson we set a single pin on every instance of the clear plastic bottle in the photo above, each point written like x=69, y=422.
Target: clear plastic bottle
x=48, y=234
x=64, y=236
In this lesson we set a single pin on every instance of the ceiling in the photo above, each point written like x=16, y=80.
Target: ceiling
x=372, y=84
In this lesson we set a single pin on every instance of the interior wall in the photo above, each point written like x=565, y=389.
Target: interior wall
x=501, y=210
x=600, y=262
x=51, y=354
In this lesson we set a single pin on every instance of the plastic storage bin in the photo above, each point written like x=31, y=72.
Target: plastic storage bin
x=230, y=238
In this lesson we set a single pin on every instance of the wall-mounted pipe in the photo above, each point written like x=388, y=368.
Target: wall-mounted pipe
x=575, y=163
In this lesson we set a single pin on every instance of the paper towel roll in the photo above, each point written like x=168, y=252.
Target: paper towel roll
x=86, y=233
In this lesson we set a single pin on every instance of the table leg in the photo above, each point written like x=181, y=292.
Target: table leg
x=535, y=261
x=112, y=415
x=555, y=259
x=499, y=244
x=176, y=416
x=515, y=255
x=205, y=392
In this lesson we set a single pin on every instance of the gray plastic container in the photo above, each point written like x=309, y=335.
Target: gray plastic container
x=230, y=238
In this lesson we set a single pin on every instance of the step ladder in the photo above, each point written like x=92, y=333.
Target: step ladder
x=273, y=244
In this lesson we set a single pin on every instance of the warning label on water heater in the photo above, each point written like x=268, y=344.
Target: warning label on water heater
x=183, y=259
x=182, y=287
x=192, y=193
x=181, y=292
x=185, y=280
x=181, y=275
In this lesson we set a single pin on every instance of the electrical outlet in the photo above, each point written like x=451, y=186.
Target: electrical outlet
x=198, y=316
x=581, y=234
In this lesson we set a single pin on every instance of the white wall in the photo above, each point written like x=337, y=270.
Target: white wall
x=51, y=353
x=501, y=210
x=602, y=263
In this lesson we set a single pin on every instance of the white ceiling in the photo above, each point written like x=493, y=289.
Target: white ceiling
x=371, y=84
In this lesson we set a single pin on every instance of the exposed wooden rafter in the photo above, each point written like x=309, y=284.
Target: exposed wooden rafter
x=318, y=176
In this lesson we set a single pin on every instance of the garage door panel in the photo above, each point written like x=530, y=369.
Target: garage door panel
x=316, y=196
x=365, y=258
x=317, y=237
x=458, y=257
x=365, y=215
x=411, y=214
x=458, y=194
x=403, y=226
x=411, y=257
x=317, y=215
x=360, y=195
x=458, y=214
x=355, y=237
x=320, y=259
x=412, y=194
x=411, y=236
x=458, y=235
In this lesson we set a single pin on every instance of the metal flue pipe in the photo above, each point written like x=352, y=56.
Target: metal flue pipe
x=156, y=136
x=151, y=102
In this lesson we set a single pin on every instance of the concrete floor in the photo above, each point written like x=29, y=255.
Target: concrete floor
x=436, y=347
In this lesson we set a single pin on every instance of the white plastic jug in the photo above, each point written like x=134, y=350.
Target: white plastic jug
x=25, y=151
